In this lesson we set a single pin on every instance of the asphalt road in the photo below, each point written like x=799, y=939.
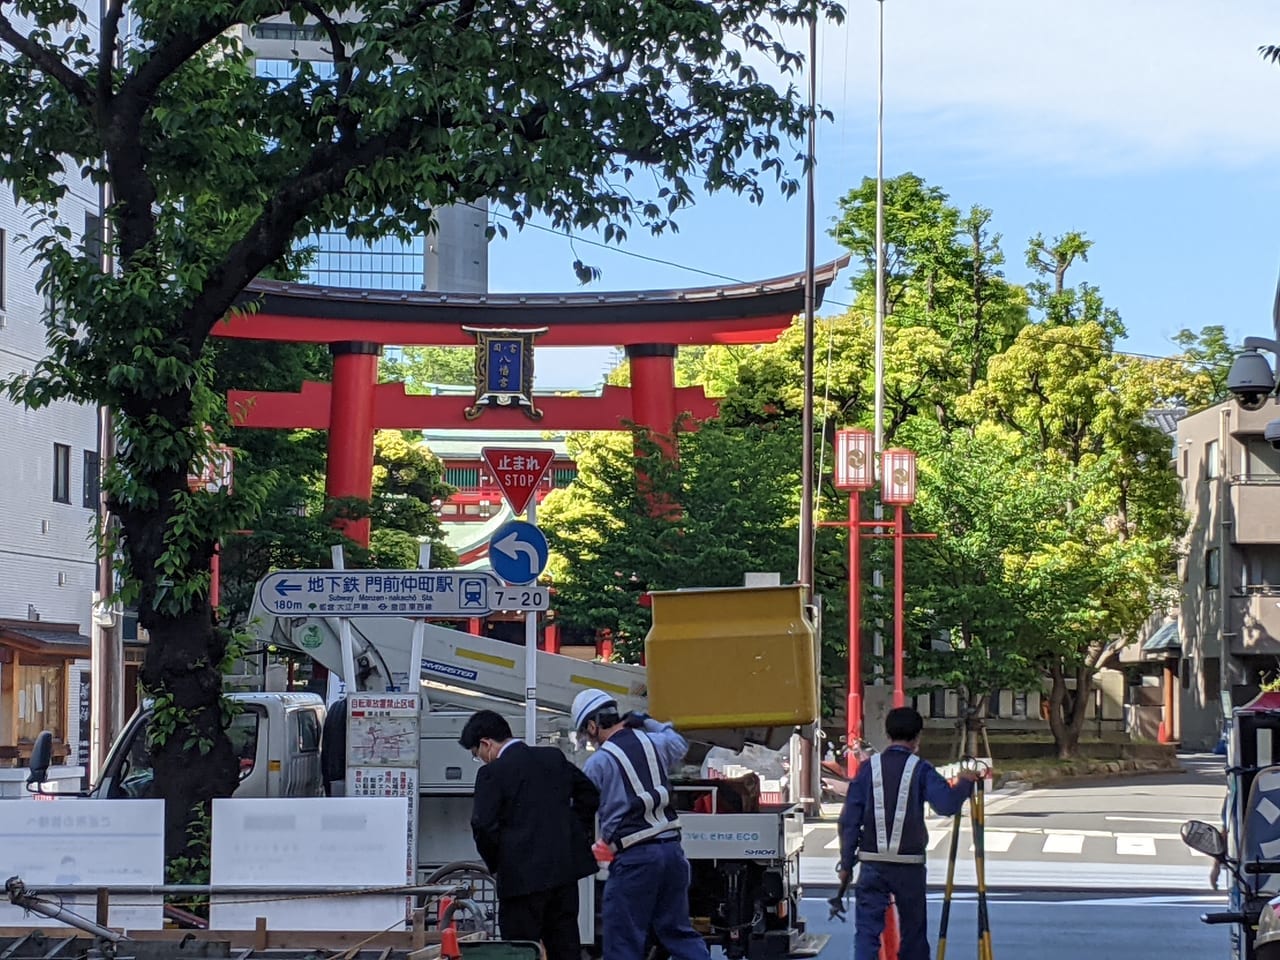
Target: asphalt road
x=1079, y=926
x=1118, y=834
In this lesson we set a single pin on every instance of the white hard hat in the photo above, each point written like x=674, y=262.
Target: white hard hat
x=588, y=702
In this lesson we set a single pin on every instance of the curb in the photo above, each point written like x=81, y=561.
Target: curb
x=1017, y=781
x=1003, y=888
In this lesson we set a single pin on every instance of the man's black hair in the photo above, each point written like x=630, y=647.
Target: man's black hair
x=903, y=724
x=605, y=718
x=484, y=725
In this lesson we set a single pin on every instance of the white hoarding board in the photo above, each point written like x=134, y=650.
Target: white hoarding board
x=309, y=841
x=93, y=842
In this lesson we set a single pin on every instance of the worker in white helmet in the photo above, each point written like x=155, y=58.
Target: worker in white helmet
x=648, y=886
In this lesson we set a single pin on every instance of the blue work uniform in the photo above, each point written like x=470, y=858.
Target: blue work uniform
x=648, y=885
x=882, y=827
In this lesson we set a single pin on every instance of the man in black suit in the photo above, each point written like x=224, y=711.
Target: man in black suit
x=533, y=823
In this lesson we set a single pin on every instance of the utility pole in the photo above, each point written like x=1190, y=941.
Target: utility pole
x=106, y=643
x=803, y=782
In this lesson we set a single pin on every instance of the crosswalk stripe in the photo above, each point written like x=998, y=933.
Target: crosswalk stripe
x=833, y=844
x=1135, y=845
x=996, y=841
x=1063, y=843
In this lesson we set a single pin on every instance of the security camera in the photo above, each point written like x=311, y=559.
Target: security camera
x=1250, y=380
x=1271, y=433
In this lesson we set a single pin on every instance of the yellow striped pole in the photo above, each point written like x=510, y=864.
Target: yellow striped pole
x=951, y=877
x=980, y=860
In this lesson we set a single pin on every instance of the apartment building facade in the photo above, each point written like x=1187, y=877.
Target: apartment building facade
x=48, y=500
x=1230, y=599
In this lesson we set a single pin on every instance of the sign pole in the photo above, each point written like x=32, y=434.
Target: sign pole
x=531, y=655
x=344, y=632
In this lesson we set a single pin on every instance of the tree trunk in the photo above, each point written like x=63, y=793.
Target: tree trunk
x=1068, y=709
x=975, y=722
x=196, y=762
x=192, y=758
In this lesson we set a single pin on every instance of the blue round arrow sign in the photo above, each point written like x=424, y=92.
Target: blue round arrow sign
x=518, y=552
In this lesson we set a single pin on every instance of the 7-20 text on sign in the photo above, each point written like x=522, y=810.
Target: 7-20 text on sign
x=520, y=598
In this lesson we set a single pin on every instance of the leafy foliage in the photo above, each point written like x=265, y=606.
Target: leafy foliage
x=217, y=175
x=737, y=496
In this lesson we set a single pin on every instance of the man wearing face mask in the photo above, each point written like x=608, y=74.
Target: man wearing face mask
x=648, y=886
x=533, y=820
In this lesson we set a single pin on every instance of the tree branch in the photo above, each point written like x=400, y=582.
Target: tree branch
x=344, y=116
x=47, y=62
x=110, y=32
x=166, y=58
x=272, y=233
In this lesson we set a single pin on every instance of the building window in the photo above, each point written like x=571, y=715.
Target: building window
x=1020, y=706
x=1212, y=568
x=90, y=480
x=61, y=473
x=93, y=237
x=287, y=31
x=464, y=478
x=563, y=476
x=1211, y=469
x=1262, y=461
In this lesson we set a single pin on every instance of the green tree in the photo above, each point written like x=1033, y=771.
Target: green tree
x=1209, y=354
x=297, y=530
x=215, y=175
x=422, y=368
x=737, y=495
x=1108, y=557
x=920, y=228
x=1058, y=303
x=987, y=501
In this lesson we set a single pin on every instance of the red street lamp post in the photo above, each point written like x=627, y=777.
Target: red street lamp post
x=855, y=473
x=898, y=490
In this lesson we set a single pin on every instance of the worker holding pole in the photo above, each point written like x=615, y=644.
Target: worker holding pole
x=882, y=828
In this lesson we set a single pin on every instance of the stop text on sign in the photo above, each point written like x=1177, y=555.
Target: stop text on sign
x=517, y=472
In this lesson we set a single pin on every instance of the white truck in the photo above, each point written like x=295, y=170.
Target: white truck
x=745, y=893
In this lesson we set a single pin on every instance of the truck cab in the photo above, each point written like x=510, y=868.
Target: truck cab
x=275, y=735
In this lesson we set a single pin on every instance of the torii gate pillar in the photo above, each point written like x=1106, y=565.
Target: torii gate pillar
x=351, y=429
x=653, y=390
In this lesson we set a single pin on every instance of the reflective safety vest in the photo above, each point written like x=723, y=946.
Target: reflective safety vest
x=648, y=790
x=889, y=840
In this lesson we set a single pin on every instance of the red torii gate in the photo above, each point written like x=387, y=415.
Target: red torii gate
x=357, y=324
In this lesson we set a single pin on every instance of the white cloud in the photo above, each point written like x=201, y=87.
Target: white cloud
x=1100, y=85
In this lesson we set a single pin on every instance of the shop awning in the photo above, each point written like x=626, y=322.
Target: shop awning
x=44, y=639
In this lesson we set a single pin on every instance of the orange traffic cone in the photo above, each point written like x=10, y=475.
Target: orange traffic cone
x=889, y=939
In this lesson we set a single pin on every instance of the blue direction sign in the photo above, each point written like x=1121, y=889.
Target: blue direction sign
x=380, y=593
x=518, y=552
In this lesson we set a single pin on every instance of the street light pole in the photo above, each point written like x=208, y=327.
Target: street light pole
x=880, y=305
x=855, y=473
x=898, y=489
x=805, y=779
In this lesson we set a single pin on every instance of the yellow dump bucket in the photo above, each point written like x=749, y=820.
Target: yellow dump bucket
x=729, y=657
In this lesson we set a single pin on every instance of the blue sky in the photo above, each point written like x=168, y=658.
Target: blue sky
x=1151, y=125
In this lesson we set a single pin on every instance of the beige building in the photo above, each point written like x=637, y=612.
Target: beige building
x=1230, y=610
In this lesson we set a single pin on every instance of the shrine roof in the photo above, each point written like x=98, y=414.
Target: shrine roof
x=754, y=312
